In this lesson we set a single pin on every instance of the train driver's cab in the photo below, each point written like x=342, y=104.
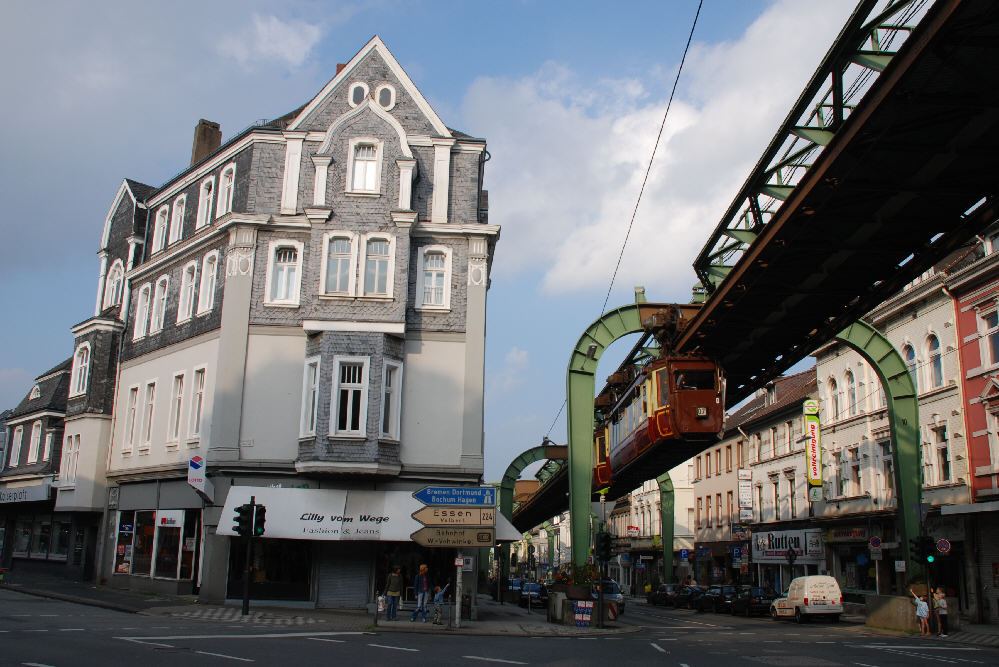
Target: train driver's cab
x=690, y=392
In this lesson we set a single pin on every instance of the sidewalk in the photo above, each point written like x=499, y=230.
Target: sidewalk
x=494, y=619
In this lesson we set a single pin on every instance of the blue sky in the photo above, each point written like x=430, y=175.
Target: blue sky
x=569, y=96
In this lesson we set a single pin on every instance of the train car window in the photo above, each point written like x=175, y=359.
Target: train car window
x=688, y=379
x=662, y=387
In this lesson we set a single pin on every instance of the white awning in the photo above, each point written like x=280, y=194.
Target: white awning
x=337, y=514
x=992, y=506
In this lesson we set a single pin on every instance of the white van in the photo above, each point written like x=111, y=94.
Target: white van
x=817, y=595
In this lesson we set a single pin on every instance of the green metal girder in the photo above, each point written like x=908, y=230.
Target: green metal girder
x=814, y=134
x=781, y=192
x=580, y=388
x=512, y=474
x=550, y=532
x=875, y=60
x=667, y=521
x=903, y=420
x=746, y=236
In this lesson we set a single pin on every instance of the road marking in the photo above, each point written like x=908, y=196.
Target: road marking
x=35, y=664
x=223, y=655
x=658, y=647
x=71, y=629
x=864, y=664
x=323, y=639
x=267, y=635
x=505, y=662
x=668, y=639
x=919, y=647
x=139, y=641
x=395, y=648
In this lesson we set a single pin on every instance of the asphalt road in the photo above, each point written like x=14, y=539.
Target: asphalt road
x=41, y=632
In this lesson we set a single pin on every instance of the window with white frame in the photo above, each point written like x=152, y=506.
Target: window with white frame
x=385, y=96
x=176, y=408
x=227, y=185
x=15, y=447
x=205, y=193
x=775, y=482
x=700, y=508
x=378, y=262
x=988, y=330
x=909, y=354
x=177, y=219
x=391, y=398
x=310, y=397
x=834, y=412
x=141, y=312
x=131, y=414
x=69, y=464
x=185, y=304
x=936, y=361
x=433, y=282
x=36, y=392
x=365, y=166
x=358, y=91
x=81, y=370
x=209, y=273
x=114, y=284
x=759, y=502
x=339, y=261
x=838, y=487
x=707, y=511
x=47, y=450
x=887, y=468
x=851, y=395
x=790, y=494
x=147, y=414
x=789, y=436
x=159, y=304
x=941, y=453
x=35, y=442
x=350, y=396
x=160, y=228
x=284, y=272
x=856, y=483
x=197, y=402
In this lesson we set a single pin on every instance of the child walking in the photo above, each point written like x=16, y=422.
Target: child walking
x=439, y=602
x=922, y=614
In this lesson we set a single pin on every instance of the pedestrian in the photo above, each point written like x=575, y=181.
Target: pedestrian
x=940, y=610
x=421, y=589
x=439, y=602
x=922, y=614
x=393, y=591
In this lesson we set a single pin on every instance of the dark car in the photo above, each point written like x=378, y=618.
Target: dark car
x=717, y=598
x=662, y=594
x=534, y=594
x=686, y=597
x=753, y=600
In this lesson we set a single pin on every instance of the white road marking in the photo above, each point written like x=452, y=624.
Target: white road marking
x=395, y=648
x=35, y=664
x=864, y=664
x=48, y=615
x=323, y=639
x=267, y=635
x=658, y=647
x=505, y=662
x=139, y=641
x=919, y=647
x=71, y=629
x=668, y=639
x=223, y=655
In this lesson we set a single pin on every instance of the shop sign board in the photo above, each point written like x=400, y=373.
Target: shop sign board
x=772, y=546
x=25, y=494
x=746, y=515
x=481, y=496
x=746, y=494
x=456, y=516
x=438, y=536
x=198, y=479
x=813, y=444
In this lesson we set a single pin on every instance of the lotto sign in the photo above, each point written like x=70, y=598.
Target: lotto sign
x=813, y=450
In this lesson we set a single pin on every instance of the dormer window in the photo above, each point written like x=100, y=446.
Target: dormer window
x=114, y=284
x=36, y=392
x=160, y=228
x=81, y=370
x=358, y=91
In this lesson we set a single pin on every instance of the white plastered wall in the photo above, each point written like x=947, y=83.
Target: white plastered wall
x=433, y=396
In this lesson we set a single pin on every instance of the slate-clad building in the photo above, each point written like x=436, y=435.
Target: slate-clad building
x=301, y=309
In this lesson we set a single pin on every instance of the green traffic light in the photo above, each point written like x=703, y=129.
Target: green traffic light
x=930, y=559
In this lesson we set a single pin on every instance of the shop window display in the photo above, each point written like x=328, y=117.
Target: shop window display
x=162, y=543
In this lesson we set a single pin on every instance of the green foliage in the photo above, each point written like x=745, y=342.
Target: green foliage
x=572, y=574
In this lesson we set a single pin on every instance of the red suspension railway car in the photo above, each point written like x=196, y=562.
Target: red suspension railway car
x=669, y=398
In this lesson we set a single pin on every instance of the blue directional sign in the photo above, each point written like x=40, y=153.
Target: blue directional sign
x=481, y=496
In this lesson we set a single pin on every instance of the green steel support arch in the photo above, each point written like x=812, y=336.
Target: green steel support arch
x=903, y=419
x=512, y=474
x=550, y=532
x=580, y=388
x=666, y=523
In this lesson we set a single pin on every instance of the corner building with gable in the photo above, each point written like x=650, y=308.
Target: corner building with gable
x=299, y=315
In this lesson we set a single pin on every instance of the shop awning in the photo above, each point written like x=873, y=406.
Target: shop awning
x=337, y=514
x=992, y=506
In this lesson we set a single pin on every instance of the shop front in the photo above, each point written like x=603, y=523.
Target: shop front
x=31, y=531
x=774, y=568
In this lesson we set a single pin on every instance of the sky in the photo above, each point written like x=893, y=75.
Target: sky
x=570, y=97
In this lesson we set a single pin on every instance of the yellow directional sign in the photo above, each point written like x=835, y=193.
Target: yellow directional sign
x=436, y=536
x=456, y=516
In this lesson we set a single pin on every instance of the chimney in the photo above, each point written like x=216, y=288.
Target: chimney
x=207, y=139
x=340, y=66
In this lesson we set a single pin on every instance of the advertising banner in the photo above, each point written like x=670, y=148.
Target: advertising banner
x=772, y=546
x=813, y=444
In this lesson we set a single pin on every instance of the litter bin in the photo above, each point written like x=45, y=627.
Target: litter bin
x=466, y=607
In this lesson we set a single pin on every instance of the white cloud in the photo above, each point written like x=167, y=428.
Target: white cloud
x=270, y=38
x=510, y=375
x=569, y=154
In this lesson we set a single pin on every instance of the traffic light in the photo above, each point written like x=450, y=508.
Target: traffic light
x=602, y=546
x=513, y=560
x=258, y=520
x=243, y=520
x=929, y=548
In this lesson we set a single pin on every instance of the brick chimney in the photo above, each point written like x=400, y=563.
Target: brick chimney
x=207, y=138
x=340, y=66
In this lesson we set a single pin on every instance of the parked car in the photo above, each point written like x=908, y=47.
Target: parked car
x=662, y=594
x=717, y=598
x=816, y=596
x=687, y=596
x=612, y=593
x=534, y=594
x=753, y=600
x=514, y=584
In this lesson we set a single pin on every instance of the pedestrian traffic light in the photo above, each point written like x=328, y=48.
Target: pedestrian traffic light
x=929, y=548
x=258, y=520
x=602, y=546
x=243, y=520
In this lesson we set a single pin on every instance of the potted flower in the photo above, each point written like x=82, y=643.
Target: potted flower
x=574, y=580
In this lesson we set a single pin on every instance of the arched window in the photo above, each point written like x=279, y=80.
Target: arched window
x=159, y=304
x=177, y=219
x=206, y=291
x=909, y=354
x=160, y=228
x=81, y=369
x=833, y=400
x=205, y=202
x=227, y=184
x=377, y=269
x=433, y=283
x=851, y=395
x=186, y=303
x=284, y=271
x=114, y=284
x=936, y=361
x=141, y=312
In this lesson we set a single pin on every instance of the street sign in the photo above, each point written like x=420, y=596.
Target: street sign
x=943, y=545
x=480, y=496
x=875, y=542
x=456, y=516
x=877, y=554
x=436, y=536
x=900, y=566
x=684, y=554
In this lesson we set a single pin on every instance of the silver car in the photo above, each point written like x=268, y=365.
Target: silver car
x=612, y=593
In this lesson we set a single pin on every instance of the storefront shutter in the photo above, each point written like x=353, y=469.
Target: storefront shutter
x=345, y=575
